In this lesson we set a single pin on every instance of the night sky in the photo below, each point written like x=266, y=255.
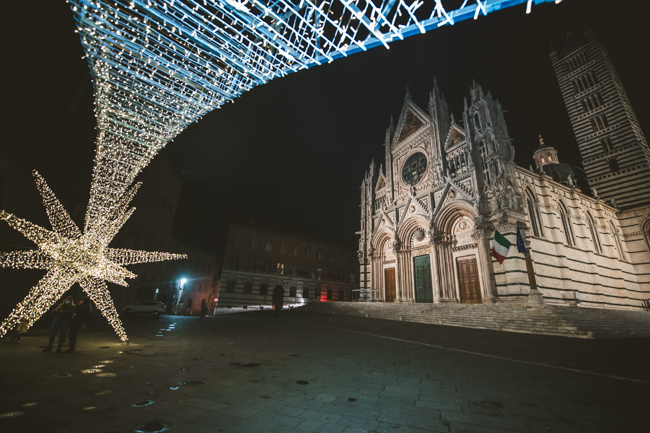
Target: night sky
x=291, y=154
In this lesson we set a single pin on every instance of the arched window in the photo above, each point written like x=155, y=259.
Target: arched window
x=230, y=286
x=594, y=234
x=566, y=224
x=320, y=254
x=295, y=249
x=248, y=287
x=533, y=214
x=617, y=241
x=269, y=245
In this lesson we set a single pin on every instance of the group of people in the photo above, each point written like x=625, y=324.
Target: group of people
x=68, y=320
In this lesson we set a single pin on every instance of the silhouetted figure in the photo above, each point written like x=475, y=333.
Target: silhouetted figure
x=204, y=311
x=79, y=320
x=278, y=299
x=21, y=330
x=61, y=325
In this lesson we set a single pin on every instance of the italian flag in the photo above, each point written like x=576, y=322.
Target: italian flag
x=500, y=247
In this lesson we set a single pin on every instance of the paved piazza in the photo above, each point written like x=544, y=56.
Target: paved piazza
x=307, y=372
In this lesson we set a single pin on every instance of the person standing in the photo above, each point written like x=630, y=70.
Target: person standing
x=61, y=325
x=204, y=311
x=278, y=298
x=21, y=329
x=81, y=316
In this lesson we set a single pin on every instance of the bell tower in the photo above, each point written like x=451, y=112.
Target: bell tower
x=614, y=150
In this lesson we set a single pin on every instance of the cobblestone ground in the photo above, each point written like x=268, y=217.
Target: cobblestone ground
x=305, y=372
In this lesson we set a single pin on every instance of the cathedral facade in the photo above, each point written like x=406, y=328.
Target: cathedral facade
x=429, y=214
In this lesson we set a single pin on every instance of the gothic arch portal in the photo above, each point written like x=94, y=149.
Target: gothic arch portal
x=407, y=229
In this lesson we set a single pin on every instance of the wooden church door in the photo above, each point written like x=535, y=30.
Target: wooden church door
x=470, y=289
x=389, y=282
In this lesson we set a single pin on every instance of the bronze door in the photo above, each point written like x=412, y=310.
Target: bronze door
x=389, y=282
x=422, y=277
x=470, y=289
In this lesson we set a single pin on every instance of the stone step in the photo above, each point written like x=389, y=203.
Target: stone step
x=566, y=321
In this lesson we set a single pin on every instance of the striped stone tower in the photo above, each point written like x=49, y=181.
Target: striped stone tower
x=614, y=151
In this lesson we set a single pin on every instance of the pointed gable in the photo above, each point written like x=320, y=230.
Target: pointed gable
x=411, y=120
x=410, y=124
x=455, y=136
x=381, y=183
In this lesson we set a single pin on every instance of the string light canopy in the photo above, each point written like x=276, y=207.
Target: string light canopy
x=72, y=257
x=158, y=66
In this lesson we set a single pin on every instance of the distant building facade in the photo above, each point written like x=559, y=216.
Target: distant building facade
x=150, y=228
x=257, y=260
x=428, y=218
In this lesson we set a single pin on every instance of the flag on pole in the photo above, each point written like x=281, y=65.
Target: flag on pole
x=500, y=247
x=521, y=246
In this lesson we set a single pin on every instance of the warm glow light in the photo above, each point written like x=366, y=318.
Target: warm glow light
x=72, y=257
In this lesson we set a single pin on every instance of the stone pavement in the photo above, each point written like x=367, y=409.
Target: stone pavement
x=307, y=372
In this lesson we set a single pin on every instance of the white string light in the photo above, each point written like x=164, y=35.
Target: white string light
x=72, y=257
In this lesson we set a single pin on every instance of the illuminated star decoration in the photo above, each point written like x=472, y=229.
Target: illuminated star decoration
x=72, y=257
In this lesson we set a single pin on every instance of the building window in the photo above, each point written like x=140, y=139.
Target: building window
x=316, y=293
x=254, y=242
x=606, y=144
x=598, y=123
x=330, y=256
x=566, y=223
x=264, y=289
x=269, y=246
x=613, y=165
x=329, y=294
x=307, y=251
x=295, y=249
x=594, y=234
x=248, y=287
x=292, y=291
x=617, y=241
x=533, y=214
x=320, y=254
x=230, y=286
x=341, y=295
x=282, y=248
x=238, y=239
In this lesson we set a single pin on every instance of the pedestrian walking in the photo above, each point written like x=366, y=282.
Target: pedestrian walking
x=21, y=329
x=278, y=299
x=78, y=322
x=61, y=325
x=204, y=311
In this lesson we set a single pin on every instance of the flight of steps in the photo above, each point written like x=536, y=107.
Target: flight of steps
x=562, y=321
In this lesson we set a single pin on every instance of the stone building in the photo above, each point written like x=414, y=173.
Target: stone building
x=257, y=260
x=151, y=228
x=429, y=216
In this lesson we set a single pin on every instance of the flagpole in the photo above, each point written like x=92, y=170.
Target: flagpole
x=535, y=297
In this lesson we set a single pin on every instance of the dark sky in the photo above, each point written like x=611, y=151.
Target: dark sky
x=291, y=154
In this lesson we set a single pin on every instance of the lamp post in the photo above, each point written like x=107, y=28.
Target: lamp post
x=181, y=284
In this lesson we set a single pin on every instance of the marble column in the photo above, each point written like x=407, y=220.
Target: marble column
x=488, y=283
